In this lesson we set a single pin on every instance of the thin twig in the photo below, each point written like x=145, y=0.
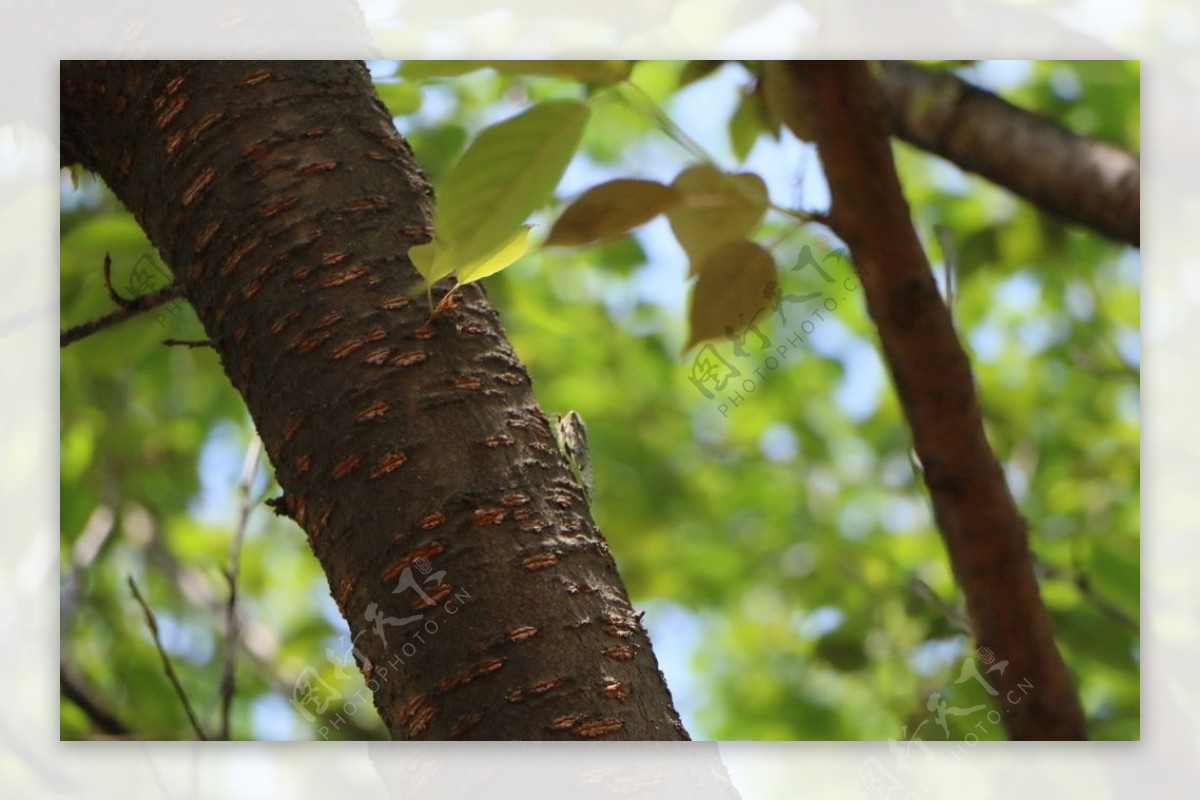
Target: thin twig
x=1086, y=362
x=637, y=97
x=131, y=309
x=1080, y=581
x=232, y=633
x=112, y=292
x=953, y=616
x=152, y=624
x=189, y=343
x=252, y=654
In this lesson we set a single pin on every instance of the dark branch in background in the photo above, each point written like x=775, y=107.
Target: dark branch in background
x=1082, y=180
x=73, y=689
x=975, y=512
x=112, y=292
x=263, y=663
x=1083, y=584
x=952, y=616
x=129, y=308
x=232, y=629
x=189, y=343
x=152, y=624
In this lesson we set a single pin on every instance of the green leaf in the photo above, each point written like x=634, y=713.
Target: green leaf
x=401, y=98
x=507, y=173
x=732, y=290
x=587, y=71
x=430, y=261
x=748, y=121
x=611, y=209
x=716, y=208
x=439, y=148
x=435, y=260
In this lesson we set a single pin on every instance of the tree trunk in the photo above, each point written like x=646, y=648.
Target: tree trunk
x=482, y=601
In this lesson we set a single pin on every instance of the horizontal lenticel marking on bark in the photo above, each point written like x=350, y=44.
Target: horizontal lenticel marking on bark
x=387, y=463
x=207, y=121
x=171, y=111
x=488, y=517
x=376, y=410
x=378, y=356
x=275, y=206
x=197, y=186
x=346, y=466
x=346, y=348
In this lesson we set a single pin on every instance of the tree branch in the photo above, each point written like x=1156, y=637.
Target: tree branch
x=112, y=291
x=977, y=516
x=152, y=624
x=129, y=308
x=1082, y=180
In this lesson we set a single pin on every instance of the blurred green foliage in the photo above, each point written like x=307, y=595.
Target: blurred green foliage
x=794, y=584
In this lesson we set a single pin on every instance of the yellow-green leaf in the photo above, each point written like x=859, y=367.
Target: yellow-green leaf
x=748, y=121
x=715, y=208
x=733, y=291
x=490, y=265
x=507, y=173
x=611, y=209
x=587, y=71
x=435, y=260
x=787, y=100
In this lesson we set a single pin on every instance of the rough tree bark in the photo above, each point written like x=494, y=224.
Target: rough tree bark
x=975, y=512
x=482, y=599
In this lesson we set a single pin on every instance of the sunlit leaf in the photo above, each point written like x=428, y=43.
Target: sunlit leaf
x=733, y=290
x=716, y=208
x=490, y=265
x=507, y=173
x=435, y=260
x=611, y=209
